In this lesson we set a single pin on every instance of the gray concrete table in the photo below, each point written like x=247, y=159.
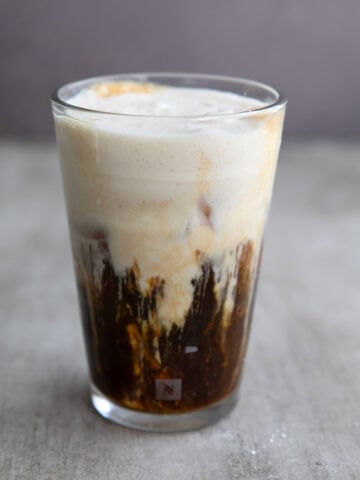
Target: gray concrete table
x=299, y=414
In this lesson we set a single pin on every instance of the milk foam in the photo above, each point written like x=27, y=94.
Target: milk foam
x=162, y=101
x=169, y=192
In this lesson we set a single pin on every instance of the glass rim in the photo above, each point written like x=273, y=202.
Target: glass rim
x=279, y=101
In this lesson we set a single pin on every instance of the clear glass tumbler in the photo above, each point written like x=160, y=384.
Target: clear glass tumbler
x=166, y=217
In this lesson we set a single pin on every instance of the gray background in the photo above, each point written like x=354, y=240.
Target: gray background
x=309, y=49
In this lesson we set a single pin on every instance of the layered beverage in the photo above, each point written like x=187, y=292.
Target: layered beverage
x=168, y=188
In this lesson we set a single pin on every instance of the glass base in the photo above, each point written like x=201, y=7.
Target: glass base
x=152, y=422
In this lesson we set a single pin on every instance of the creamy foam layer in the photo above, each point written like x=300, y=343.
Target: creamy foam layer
x=150, y=99
x=169, y=193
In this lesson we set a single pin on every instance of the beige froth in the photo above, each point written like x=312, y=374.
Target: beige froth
x=171, y=193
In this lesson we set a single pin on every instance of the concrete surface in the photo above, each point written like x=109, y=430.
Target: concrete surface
x=299, y=414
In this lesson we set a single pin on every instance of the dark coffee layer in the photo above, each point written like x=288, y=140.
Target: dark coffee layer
x=138, y=363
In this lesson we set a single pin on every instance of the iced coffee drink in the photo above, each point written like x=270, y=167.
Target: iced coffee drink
x=168, y=181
